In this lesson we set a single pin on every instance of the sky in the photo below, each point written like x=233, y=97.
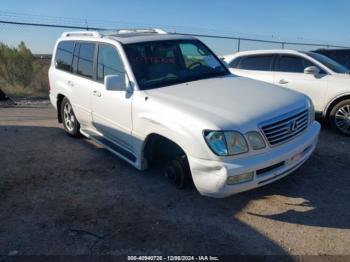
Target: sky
x=320, y=21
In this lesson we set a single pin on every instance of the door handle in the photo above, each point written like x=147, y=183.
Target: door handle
x=96, y=93
x=70, y=83
x=283, y=82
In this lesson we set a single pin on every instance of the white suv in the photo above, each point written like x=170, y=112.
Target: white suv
x=148, y=96
x=325, y=81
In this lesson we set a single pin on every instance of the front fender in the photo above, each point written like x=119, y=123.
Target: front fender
x=185, y=135
x=149, y=123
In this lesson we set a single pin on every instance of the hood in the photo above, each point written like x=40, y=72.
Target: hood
x=228, y=103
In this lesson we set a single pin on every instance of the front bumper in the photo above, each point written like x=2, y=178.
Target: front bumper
x=210, y=176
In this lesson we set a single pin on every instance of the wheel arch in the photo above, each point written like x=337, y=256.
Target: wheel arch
x=334, y=102
x=154, y=141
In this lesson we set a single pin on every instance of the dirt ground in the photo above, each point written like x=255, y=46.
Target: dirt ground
x=66, y=196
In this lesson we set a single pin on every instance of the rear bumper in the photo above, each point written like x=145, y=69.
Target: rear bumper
x=210, y=176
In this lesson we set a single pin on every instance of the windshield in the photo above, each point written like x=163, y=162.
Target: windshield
x=162, y=63
x=331, y=64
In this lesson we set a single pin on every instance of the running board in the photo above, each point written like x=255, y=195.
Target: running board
x=110, y=146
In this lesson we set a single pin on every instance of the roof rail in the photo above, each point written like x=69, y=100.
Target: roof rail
x=82, y=33
x=113, y=32
x=132, y=31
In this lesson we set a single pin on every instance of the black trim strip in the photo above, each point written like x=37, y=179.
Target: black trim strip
x=115, y=148
x=283, y=173
x=269, y=168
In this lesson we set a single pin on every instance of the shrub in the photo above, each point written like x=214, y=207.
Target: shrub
x=17, y=65
x=19, y=68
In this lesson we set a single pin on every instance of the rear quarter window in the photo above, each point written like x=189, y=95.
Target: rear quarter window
x=64, y=55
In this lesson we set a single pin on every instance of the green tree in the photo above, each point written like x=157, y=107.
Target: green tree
x=24, y=65
x=7, y=58
x=17, y=66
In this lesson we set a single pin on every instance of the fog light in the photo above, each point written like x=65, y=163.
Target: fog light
x=236, y=179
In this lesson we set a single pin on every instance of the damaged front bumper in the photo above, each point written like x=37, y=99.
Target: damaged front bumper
x=211, y=177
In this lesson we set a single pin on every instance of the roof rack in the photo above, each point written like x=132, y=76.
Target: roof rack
x=114, y=32
x=82, y=33
x=133, y=31
x=152, y=30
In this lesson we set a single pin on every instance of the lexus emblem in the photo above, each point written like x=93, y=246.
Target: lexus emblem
x=293, y=126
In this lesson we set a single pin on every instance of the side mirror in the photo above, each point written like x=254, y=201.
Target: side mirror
x=115, y=82
x=312, y=70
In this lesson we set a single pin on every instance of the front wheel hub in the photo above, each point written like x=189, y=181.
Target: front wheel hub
x=342, y=119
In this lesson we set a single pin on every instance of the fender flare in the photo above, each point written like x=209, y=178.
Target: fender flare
x=328, y=106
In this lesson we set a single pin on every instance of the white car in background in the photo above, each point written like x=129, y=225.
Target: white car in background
x=146, y=96
x=325, y=81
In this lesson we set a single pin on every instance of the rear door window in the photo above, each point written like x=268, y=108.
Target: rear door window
x=64, y=55
x=86, y=54
x=259, y=63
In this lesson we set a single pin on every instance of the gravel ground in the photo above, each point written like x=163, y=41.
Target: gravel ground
x=66, y=196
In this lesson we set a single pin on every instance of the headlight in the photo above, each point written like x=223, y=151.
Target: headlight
x=311, y=111
x=226, y=143
x=255, y=140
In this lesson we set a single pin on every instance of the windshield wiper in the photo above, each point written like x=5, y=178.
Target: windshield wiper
x=163, y=79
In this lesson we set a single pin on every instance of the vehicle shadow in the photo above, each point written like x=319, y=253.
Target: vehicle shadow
x=62, y=195
x=317, y=194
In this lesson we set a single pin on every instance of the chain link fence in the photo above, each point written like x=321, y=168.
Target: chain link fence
x=41, y=37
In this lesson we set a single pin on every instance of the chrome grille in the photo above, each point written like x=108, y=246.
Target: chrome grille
x=278, y=131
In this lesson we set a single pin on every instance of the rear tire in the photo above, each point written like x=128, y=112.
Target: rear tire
x=177, y=172
x=339, y=118
x=70, y=122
